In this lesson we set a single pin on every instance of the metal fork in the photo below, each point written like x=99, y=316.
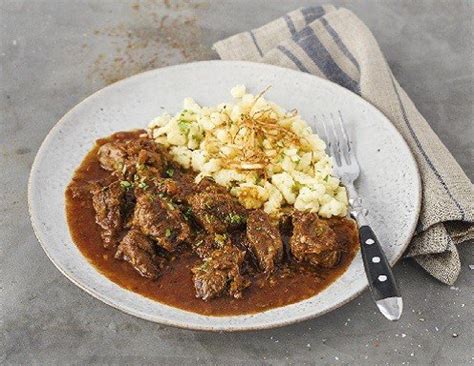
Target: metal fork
x=382, y=283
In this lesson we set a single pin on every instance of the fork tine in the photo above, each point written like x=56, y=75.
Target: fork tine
x=324, y=131
x=331, y=137
x=326, y=137
x=347, y=144
x=337, y=139
x=317, y=127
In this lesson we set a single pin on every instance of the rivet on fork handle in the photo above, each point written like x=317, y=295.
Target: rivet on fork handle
x=382, y=283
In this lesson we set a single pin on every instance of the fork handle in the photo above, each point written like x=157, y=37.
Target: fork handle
x=382, y=283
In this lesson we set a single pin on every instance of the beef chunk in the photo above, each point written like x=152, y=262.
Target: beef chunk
x=159, y=218
x=181, y=186
x=209, y=185
x=107, y=202
x=112, y=156
x=178, y=190
x=140, y=252
x=204, y=243
x=219, y=274
x=217, y=212
x=150, y=164
x=130, y=157
x=264, y=240
x=314, y=241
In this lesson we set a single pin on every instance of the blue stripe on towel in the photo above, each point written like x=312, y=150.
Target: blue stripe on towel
x=420, y=147
x=339, y=43
x=255, y=43
x=293, y=58
x=313, y=47
x=312, y=13
x=290, y=24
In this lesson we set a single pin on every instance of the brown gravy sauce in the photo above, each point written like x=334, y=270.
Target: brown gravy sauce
x=290, y=284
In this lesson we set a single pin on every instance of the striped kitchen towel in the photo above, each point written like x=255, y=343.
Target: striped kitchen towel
x=335, y=44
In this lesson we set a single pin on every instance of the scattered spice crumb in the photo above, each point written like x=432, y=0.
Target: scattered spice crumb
x=151, y=39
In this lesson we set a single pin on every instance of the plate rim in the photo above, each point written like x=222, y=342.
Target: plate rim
x=232, y=328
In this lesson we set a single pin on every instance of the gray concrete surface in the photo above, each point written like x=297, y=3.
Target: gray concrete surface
x=55, y=53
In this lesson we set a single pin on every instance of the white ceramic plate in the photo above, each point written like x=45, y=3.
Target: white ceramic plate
x=389, y=183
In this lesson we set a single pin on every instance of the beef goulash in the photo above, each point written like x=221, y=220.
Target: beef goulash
x=222, y=210
x=143, y=221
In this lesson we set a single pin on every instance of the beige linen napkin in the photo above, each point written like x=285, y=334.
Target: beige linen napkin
x=335, y=44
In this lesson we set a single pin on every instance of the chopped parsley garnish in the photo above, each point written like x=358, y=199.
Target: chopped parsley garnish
x=168, y=232
x=184, y=126
x=235, y=219
x=209, y=218
x=319, y=230
x=143, y=185
x=125, y=184
x=326, y=178
x=169, y=172
x=197, y=138
x=220, y=240
x=188, y=213
x=296, y=187
x=204, y=267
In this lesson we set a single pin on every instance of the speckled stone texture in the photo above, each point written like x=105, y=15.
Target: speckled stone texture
x=54, y=53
